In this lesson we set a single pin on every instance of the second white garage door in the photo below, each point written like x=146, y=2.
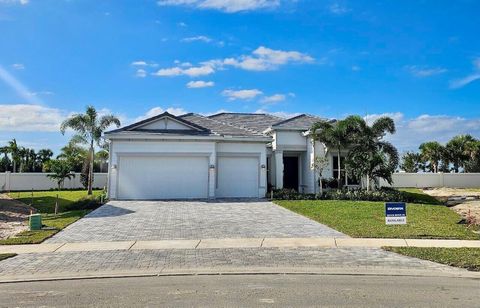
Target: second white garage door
x=237, y=177
x=162, y=177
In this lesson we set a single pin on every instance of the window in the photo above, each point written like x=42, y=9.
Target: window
x=346, y=180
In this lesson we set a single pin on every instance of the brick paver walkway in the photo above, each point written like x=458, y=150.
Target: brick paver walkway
x=242, y=258
x=164, y=220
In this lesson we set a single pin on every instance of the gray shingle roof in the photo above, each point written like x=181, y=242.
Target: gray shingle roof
x=218, y=127
x=303, y=121
x=257, y=122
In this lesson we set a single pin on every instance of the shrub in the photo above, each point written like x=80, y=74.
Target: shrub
x=383, y=194
x=87, y=203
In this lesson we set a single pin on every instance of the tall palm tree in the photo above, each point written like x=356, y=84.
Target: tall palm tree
x=14, y=151
x=335, y=135
x=370, y=156
x=433, y=152
x=89, y=128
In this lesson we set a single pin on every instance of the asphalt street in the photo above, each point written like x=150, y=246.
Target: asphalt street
x=246, y=290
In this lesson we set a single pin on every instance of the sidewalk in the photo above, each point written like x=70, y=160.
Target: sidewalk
x=319, y=242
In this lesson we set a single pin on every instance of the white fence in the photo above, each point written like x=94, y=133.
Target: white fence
x=458, y=180
x=39, y=181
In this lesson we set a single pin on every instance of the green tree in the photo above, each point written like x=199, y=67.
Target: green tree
x=336, y=136
x=43, y=156
x=74, y=154
x=412, y=162
x=89, y=128
x=61, y=170
x=432, y=152
x=319, y=165
x=5, y=161
x=473, y=152
x=14, y=151
x=370, y=156
x=457, y=151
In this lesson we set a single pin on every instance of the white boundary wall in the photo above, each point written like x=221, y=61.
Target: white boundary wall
x=458, y=180
x=39, y=181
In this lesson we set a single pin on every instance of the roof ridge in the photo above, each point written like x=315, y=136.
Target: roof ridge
x=156, y=117
x=289, y=119
x=231, y=125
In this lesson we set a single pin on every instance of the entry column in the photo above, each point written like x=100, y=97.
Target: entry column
x=279, y=169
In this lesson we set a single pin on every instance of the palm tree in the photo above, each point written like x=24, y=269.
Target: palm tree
x=14, y=151
x=433, y=152
x=74, y=154
x=335, y=135
x=5, y=161
x=61, y=170
x=370, y=156
x=43, y=156
x=457, y=150
x=412, y=162
x=89, y=128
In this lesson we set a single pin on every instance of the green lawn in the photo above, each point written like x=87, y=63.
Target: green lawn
x=419, y=195
x=4, y=256
x=468, y=258
x=44, y=201
x=367, y=219
x=73, y=205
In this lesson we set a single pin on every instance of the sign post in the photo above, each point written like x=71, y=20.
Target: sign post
x=395, y=213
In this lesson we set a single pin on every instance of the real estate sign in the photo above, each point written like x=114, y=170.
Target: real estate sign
x=395, y=213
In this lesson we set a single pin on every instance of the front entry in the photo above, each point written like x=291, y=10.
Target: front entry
x=290, y=172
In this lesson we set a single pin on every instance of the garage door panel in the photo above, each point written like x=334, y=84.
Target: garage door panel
x=162, y=177
x=237, y=177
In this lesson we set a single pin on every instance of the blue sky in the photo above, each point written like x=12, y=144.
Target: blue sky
x=417, y=61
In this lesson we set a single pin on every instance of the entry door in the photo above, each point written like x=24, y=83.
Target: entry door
x=290, y=172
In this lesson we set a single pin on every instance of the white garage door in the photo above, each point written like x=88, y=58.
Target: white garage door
x=159, y=177
x=237, y=177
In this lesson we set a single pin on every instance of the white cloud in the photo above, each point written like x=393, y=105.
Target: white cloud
x=273, y=99
x=159, y=110
x=233, y=95
x=280, y=114
x=459, y=83
x=18, y=66
x=229, y=6
x=141, y=73
x=263, y=59
x=30, y=118
x=338, y=9
x=425, y=71
x=200, y=84
x=40, y=93
x=22, y=2
x=414, y=131
x=201, y=38
x=193, y=71
x=18, y=87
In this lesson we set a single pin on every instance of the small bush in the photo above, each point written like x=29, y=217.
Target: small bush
x=383, y=194
x=86, y=203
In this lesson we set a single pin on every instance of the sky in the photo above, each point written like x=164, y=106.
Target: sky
x=415, y=61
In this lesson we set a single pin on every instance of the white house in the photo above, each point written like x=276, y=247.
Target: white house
x=226, y=155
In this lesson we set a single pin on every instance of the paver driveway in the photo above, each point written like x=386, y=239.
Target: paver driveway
x=164, y=220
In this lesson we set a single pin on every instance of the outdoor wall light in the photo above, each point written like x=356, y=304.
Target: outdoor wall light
x=262, y=166
x=114, y=166
x=212, y=166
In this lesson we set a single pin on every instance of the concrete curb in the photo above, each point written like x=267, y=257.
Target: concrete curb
x=330, y=242
x=353, y=271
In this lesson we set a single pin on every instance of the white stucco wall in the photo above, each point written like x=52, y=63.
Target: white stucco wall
x=40, y=181
x=459, y=180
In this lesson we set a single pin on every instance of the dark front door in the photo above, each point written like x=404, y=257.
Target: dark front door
x=290, y=172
